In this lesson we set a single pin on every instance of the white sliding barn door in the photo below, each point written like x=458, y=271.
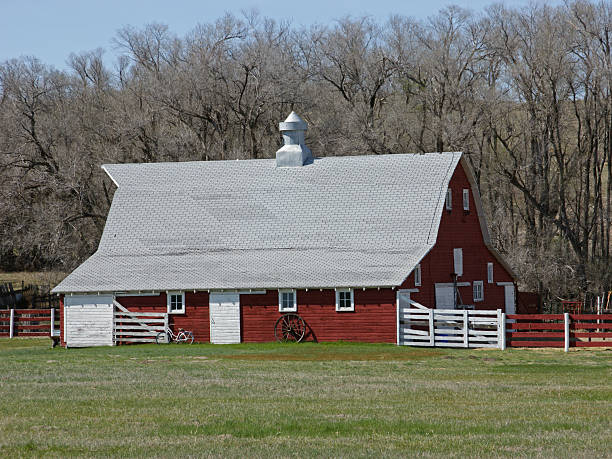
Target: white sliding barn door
x=88, y=320
x=224, y=318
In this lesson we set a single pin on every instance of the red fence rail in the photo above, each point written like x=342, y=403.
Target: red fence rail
x=28, y=322
x=559, y=330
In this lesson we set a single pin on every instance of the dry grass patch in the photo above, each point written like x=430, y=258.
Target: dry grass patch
x=326, y=354
x=51, y=278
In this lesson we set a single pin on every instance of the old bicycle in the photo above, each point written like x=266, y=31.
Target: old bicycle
x=168, y=336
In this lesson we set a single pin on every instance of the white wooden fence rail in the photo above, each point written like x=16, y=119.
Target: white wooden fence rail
x=451, y=328
x=137, y=327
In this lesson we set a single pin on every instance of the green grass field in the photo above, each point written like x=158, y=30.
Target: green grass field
x=302, y=400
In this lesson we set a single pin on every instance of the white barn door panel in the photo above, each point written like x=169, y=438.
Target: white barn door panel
x=445, y=297
x=224, y=318
x=88, y=320
x=510, y=299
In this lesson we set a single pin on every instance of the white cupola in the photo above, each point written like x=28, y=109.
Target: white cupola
x=294, y=152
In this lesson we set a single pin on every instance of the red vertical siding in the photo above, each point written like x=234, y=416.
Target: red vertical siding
x=460, y=229
x=374, y=318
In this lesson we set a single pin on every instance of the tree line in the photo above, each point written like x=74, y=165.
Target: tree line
x=526, y=93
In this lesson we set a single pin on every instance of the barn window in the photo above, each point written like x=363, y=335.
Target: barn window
x=344, y=299
x=458, y=261
x=478, y=291
x=466, y=200
x=417, y=275
x=287, y=301
x=489, y=273
x=449, y=199
x=176, y=302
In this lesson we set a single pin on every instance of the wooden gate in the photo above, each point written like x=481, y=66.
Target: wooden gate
x=421, y=326
x=137, y=327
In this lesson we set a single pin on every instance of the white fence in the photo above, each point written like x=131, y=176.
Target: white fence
x=137, y=327
x=420, y=326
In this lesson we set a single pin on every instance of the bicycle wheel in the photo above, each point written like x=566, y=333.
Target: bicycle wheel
x=162, y=338
x=189, y=336
x=181, y=337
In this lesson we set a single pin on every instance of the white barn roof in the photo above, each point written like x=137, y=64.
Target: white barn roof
x=351, y=221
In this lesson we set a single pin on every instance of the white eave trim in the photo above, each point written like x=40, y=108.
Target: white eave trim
x=242, y=291
x=109, y=175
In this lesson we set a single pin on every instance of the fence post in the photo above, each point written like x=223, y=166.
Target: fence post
x=465, y=328
x=12, y=324
x=432, y=331
x=566, y=321
x=501, y=329
x=397, y=317
x=52, y=322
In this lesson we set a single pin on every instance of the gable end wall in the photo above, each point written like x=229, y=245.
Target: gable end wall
x=460, y=229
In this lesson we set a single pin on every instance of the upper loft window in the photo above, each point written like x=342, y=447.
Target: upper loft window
x=176, y=302
x=458, y=261
x=489, y=273
x=478, y=291
x=417, y=275
x=344, y=299
x=287, y=301
x=466, y=200
x=449, y=199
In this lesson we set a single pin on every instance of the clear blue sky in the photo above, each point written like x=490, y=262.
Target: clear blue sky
x=52, y=29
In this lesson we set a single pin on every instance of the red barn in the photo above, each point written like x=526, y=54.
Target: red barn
x=225, y=247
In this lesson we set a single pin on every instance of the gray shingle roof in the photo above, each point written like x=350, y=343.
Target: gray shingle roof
x=351, y=221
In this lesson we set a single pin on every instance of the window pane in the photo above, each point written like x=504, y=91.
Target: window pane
x=344, y=300
x=287, y=301
x=176, y=302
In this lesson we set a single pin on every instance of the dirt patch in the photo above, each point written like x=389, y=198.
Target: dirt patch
x=346, y=356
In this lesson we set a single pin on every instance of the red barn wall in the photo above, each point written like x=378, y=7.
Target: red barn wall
x=374, y=318
x=460, y=229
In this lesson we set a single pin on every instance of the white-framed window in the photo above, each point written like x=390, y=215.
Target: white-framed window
x=489, y=273
x=417, y=275
x=478, y=291
x=466, y=199
x=287, y=301
x=458, y=261
x=176, y=302
x=449, y=199
x=345, y=299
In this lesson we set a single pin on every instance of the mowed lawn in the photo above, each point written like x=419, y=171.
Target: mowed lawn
x=302, y=400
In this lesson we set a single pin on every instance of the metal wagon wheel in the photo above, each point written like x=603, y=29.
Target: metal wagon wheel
x=289, y=327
